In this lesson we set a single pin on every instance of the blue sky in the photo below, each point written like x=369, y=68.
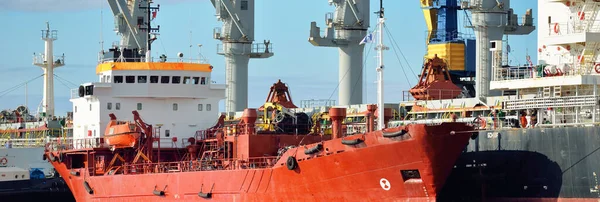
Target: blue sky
x=311, y=72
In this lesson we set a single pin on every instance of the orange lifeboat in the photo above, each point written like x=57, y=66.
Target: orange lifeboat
x=435, y=82
x=121, y=134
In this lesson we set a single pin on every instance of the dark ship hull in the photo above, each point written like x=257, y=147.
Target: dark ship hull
x=35, y=190
x=540, y=164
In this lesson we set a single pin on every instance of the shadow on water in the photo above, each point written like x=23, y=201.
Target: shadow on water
x=502, y=174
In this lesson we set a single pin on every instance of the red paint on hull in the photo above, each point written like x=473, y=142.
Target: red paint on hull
x=338, y=173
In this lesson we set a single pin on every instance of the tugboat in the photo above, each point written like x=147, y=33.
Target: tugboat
x=186, y=151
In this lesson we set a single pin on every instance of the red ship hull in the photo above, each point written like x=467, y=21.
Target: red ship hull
x=373, y=170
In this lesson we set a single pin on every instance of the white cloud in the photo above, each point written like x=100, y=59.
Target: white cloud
x=61, y=5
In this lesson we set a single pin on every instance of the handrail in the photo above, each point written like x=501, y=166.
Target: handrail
x=143, y=59
x=197, y=165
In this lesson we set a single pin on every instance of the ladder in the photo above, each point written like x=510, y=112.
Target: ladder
x=588, y=13
x=557, y=91
x=588, y=57
x=546, y=92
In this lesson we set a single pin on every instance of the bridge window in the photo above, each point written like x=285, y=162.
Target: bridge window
x=186, y=80
x=208, y=107
x=164, y=79
x=129, y=79
x=118, y=79
x=142, y=79
x=196, y=80
x=203, y=81
x=109, y=106
x=153, y=79
x=139, y=106
x=244, y=5
x=176, y=79
x=118, y=106
x=175, y=106
x=199, y=107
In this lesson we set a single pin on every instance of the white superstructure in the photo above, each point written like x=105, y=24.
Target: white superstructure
x=178, y=98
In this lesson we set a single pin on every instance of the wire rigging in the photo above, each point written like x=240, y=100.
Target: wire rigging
x=394, y=45
x=11, y=89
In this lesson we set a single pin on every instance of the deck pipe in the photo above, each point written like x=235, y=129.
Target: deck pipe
x=371, y=117
x=337, y=115
x=249, y=118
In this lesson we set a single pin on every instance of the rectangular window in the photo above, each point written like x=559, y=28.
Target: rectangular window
x=129, y=79
x=176, y=79
x=142, y=79
x=196, y=80
x=174, y=106
x=109, y=106
x=140, y=21
x=90, y=107
x=199, y=107
x=164, y=79
x=186, y=80
x=244, y=5
x=208, y=107
x=118, y=79
x=153, y=79
x=89, y=90
x=75, y=109
x=139, y=106
x=118, y=106
x=167, y=133
x=203, y=81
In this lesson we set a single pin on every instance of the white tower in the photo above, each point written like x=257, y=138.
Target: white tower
x=47, y=62
x=237, y=35
x=492, y=19
x=380, y=48
x=345, y=29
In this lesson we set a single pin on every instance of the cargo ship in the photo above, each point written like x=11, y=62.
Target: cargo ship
x=538, y=138
x=24, y=174
x=149, y=130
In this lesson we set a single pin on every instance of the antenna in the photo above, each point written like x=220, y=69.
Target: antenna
x=149, y=30
x=380, y=49
x=101, y=23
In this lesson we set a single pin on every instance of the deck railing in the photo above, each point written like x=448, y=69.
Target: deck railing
x=407, y=96
x=194, y=165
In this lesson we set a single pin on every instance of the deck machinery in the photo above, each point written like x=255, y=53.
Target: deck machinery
x=445, y=41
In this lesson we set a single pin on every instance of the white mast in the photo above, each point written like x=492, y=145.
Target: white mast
x=380, y=49
x=46, y=61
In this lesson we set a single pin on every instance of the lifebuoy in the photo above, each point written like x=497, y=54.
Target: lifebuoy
x=3, y=161
x=556, y=28
x=581, y=15
x=597, y=68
